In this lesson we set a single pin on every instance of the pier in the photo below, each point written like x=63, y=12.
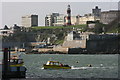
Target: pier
x=9, y=71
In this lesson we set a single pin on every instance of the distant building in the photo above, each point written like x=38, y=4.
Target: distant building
x=108, y=16
x=94, y=16
x=74, y=20
x=56, y=19
x=48, y=20
x=6, y=27
x=30, y=21
x=59, y=20
x=16, y=28
x=87, y=17
x=69, y=37
x=6, y=31
x=96, y=12
x=51, y=19
x=91, y=42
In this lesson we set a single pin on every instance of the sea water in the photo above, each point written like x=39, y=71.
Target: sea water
x=103, y=66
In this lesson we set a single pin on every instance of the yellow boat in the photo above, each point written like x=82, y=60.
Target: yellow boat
x=16, y=62
x=55, y=65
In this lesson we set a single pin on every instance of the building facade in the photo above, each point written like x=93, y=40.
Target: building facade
x=59, y=20
x=87, y=17
x=30, y=21
x=108, y=16
x=4, y=32
x=9, y=31
x=74, y=20
x=96, y=12
x=94, y=16
x=56, y=19
x=50, y=19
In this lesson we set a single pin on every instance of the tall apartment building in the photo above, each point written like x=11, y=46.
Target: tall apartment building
x=108, y=16
x=51, y=19
x=30, y=21
x=48, y=20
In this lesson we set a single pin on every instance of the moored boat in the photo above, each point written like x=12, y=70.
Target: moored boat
x=16, y=62
x=55, y=65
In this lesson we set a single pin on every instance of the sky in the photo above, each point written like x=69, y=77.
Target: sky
x=13, y=11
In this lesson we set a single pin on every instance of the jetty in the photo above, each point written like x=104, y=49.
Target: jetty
x=9, y=71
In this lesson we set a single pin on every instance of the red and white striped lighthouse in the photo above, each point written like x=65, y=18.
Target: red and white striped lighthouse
x=68, y=17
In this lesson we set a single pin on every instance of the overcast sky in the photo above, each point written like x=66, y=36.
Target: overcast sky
x=13, y=11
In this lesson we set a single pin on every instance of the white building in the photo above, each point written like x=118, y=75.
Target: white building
x=87, y=17
x=50, y=19
x=73, y=20
x=30, y=21
x=69, y=37
x=7, y=32
x=59, y=20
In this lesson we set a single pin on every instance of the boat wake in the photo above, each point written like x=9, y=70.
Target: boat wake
x=84, y=68
x=42, y=68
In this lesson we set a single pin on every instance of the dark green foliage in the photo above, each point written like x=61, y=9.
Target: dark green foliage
x=98, y=28
x=19, y=37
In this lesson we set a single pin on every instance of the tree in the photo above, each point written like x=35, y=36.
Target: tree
x=98, y=28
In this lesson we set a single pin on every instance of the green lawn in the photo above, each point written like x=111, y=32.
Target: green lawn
x=59, y=41
x=57, y=27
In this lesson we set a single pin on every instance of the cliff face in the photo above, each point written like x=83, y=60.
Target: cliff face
x=114, y=26
x=56, y=36
x=19, y=37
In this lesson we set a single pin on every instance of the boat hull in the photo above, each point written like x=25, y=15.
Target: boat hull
x=16, y=65
x=55, y=67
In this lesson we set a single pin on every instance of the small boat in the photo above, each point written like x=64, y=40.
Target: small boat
x=16, y=62
x=55, y=65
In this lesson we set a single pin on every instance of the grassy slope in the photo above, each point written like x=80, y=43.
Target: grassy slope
x=57, y=27
x=58, y=30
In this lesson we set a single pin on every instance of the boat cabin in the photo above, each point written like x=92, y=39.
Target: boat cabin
x=53, y=63
x=16, y=61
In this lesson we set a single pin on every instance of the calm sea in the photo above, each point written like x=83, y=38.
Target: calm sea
x=34, y=62
x=109, y=68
